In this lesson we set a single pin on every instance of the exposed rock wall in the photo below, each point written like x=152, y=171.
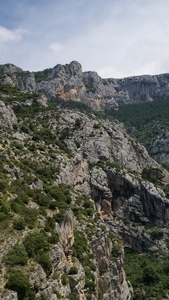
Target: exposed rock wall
x=7, y=117
x=68, y=82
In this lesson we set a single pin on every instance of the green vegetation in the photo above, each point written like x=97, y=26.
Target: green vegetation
x=144, y=121
x=80, y=247
x=141, y=114
x=4, y=209
x=157, y=234
x=65, y=279
x=16, y=256
x=148, y=274
x=36, y=242
x=73, y=271
x=42, y=75
x=116, y=249
x=37, y=245
x=155, y=175
x=73, y=105
x=19, y=282
x=90, y=87
x=105, y=164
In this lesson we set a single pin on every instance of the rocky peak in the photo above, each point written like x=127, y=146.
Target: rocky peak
x=10, y=68
x=68, y=82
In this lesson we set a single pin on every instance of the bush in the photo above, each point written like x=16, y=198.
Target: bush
x=59, y=217
x=90, y=285
x=2, y=185
x=4, y=206
x=157, y=234
x=35, y=242
x=150, y=275
x=19, y=224
x=16, y=256
x=117, y=249
x=154, y=175
x=18, y=282
x=50, y=224
x=45, y=262
x=73, y=270
x=65, y=279
x=73, y=296
x=30, y=216
x=80, y=247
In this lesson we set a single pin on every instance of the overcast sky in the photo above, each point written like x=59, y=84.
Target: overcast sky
x=116, y=38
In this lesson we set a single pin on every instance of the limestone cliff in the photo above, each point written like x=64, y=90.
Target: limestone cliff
x=68, y=82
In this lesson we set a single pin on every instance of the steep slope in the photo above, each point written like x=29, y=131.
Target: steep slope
x=73, y=196
x=149, y=124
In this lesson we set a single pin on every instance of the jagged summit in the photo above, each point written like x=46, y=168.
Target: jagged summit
x=68, y=82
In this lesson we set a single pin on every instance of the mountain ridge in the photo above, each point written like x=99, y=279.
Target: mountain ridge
x=68, y=82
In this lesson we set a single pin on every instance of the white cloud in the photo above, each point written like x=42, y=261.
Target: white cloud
x=56, y=47
x=107, y=71
x=7, y=35
x=114, y=38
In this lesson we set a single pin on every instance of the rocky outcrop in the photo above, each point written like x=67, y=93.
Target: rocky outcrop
x=7, y=117
x=123, y=201
x=68, y=82
x=111, y=277
x=9, y=296
x=159, y=147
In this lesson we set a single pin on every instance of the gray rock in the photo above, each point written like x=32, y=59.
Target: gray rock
x=7, y=117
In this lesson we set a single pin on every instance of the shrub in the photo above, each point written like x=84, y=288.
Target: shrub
x=16, y=256
x=45, y=262
x=117, y=249
x=73, y=296
x=19, y=282
x=4, y=206
x=73, y=270
x=65, y=279
x=2, y=185
x=90, y=285
x=157, y=233
x=35, y=242
x=30, y=216
x=150, y=275
x=80, y=246
x=154, y=175
x=19, y=224
x=59, y=217
x=50, y=224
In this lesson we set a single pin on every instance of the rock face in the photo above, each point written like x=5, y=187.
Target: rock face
x=111, y=279
x=68, y=82
x=7, y=117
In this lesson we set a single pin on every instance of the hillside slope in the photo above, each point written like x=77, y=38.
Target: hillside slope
x=73, y=195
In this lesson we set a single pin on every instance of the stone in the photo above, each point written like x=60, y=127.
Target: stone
x=7, y=117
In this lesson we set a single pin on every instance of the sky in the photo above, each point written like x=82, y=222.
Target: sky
x=115, y=38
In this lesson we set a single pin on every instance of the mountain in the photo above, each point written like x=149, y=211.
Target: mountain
x=68, y=82
x=80, y=199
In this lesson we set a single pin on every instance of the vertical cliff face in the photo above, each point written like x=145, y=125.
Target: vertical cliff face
x=68, y=82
